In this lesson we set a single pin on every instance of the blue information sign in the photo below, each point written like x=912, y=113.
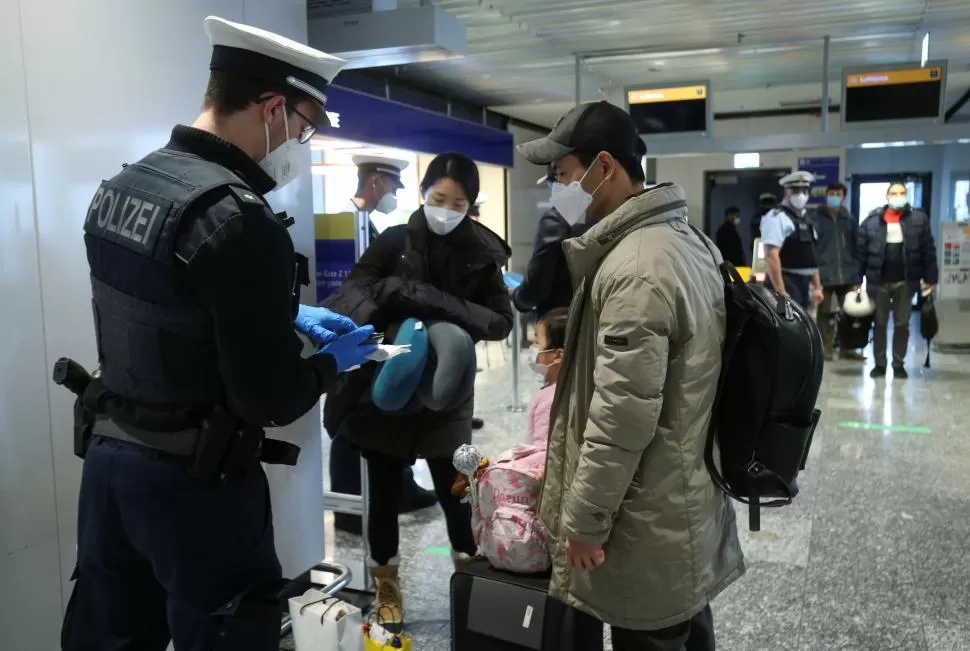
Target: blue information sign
x=826, y=171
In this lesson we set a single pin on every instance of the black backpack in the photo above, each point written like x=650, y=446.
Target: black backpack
x=929, y=324
x=764, y=414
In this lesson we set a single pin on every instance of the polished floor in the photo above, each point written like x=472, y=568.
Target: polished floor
x=874, y=554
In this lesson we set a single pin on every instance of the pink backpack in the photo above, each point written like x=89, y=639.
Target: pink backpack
x=506, y=521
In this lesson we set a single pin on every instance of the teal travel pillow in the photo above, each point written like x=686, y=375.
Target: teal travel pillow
x=398, y=378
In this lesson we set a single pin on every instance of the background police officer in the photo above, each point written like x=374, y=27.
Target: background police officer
x=788, y=236
x=195, y=289
x=378, y=180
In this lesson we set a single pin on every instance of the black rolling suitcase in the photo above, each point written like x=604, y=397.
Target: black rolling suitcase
x=494, y=610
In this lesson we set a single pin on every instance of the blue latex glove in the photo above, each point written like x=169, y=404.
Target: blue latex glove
x=348, y=350
x=321, y=324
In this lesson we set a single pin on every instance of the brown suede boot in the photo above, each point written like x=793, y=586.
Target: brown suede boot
x=388, y=604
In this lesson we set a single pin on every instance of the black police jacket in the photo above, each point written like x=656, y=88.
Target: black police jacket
x=547, y=284
x=194, y=281
x=410, y=272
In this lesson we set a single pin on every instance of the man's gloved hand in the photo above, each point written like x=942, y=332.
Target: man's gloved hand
x=349, y=350
x=321, y=324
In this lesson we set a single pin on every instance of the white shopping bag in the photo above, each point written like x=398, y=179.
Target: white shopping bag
x=322, y=623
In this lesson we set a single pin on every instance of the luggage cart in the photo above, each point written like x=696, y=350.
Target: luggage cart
x=312, y=577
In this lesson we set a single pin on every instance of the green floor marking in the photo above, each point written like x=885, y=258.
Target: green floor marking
x=439, y=551
x=880, y=427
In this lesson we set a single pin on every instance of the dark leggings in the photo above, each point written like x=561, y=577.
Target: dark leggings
x=384, y=473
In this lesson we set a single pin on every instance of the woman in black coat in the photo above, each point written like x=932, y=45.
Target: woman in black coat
x=439, y=267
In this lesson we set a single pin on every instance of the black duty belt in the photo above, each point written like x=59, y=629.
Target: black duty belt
x=183, y=443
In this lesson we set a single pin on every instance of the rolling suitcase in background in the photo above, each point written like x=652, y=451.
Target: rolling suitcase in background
x=494, y=610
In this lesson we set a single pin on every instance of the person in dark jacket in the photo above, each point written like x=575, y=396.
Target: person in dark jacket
x=728, y=239
x=836, y=229
x=766, y=203
x=546, y=284
x=440, y=266
x=896, y=255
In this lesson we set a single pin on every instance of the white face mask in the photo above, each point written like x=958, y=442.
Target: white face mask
x=898, y=202
x=540, y=369
x=571, y=201
x=387, y=204
x=283, y=163
x=442, y=221
x=798, y=201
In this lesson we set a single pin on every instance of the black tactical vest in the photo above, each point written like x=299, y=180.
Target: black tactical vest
x=798, y=249
x=156, y=345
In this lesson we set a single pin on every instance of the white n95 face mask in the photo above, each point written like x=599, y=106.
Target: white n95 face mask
x=387, y=204
x=283, y=163
x=798, y=201
x=442, y=221
x=571, y=201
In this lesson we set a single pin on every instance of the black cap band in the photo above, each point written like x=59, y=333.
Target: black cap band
x=262, y=67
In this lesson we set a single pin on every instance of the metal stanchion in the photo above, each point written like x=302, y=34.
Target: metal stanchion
x=516, y=405
x=356, y=504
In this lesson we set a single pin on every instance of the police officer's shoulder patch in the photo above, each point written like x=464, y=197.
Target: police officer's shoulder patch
x=127, y=216
x=247, y=198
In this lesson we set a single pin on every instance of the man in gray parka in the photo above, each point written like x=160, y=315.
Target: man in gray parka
x=644, y=539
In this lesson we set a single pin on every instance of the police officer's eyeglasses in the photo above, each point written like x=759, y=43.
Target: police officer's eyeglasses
x=306, y=132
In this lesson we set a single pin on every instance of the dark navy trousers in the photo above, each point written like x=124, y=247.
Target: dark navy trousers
x=159, y=553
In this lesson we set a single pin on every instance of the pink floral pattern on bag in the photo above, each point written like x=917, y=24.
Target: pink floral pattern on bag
x=506, y=522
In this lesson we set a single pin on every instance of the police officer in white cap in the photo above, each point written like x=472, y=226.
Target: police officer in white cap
x=378, y=180
x=788, y=236
x=196, y=303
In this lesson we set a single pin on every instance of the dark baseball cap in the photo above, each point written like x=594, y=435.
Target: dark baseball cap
x=595, y=126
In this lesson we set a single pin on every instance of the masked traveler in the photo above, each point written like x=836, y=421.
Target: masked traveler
x=441, y=272
x=195, y=289
x=788, y=235
x=728, y=238
x=378, y=180
x=896, y=255
x=644, y=538
x=766, y=203
x=836, y=228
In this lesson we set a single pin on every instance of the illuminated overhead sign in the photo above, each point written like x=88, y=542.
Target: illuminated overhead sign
x=673, y=110
x=894, y=77
x=676, y=94
x=893, y=94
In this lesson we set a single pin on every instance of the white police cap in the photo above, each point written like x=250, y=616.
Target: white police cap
x=381, y=165
x=799, y=179
x=270, y=57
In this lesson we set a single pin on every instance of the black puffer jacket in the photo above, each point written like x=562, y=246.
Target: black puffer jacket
x=919, y=249
x=410, y=272
x=546, y=284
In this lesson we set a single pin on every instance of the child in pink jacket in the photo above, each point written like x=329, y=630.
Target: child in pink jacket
x=546, y=357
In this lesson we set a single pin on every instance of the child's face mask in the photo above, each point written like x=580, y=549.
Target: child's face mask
x=538, y=367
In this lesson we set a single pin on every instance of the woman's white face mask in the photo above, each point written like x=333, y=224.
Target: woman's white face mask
x=441, y=220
